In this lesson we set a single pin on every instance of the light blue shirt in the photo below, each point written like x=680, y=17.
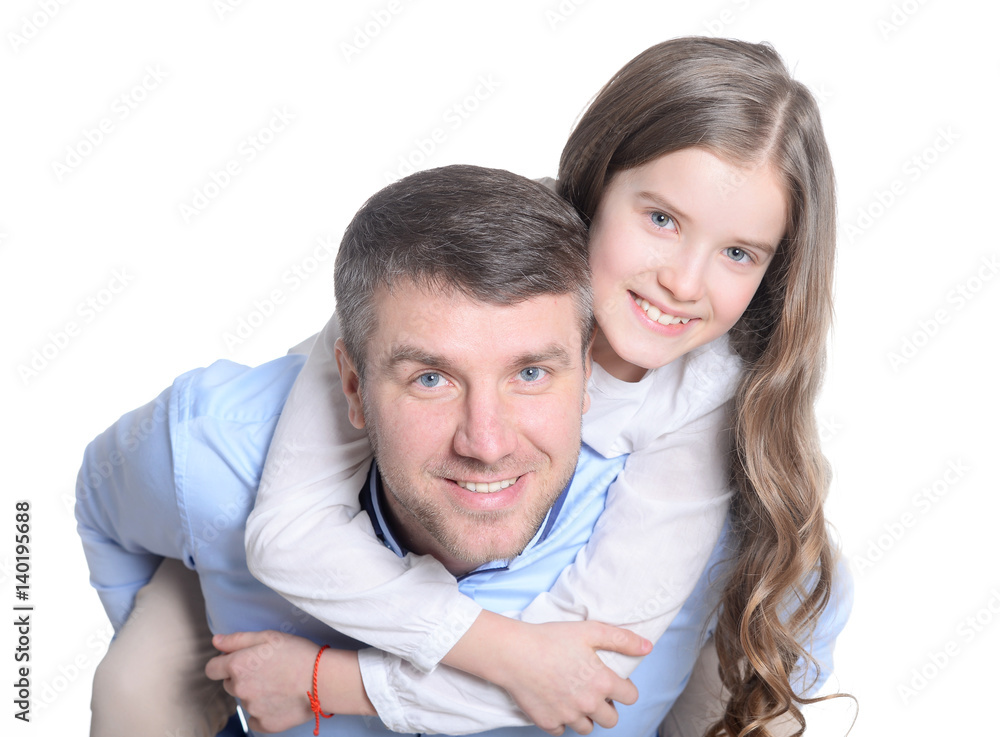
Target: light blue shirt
x=178, y=477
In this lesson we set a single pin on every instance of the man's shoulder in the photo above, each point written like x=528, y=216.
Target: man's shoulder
x=231, y=392
x=222, y=419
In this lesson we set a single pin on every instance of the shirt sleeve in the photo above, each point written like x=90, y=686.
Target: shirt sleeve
x=664, y=514
x=308, y=496
x=126, y=505
x=812, y=676
x=662, y=521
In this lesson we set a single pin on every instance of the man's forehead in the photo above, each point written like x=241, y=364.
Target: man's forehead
x=417, y=323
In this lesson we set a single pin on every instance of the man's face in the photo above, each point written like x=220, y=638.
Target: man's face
x=473, y=411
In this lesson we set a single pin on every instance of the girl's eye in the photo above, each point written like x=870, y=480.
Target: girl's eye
x=738, y=255
x=662, y=220
x=532, y=373
x=430, y=381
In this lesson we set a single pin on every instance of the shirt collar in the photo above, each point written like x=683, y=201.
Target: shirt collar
x=373, y=502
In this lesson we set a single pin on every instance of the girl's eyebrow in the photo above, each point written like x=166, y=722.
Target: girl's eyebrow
x=658, y=201
x=761, y=245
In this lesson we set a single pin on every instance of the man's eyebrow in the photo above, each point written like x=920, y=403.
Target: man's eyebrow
x=406, y=353
x=658, y=201
x=552, y=353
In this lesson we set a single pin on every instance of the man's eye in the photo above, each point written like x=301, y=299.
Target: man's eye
x=532, y=373
x=430, y=381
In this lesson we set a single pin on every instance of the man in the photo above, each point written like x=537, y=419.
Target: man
x=501, y=300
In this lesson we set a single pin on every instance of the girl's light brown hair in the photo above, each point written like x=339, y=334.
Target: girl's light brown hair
x=737, y=100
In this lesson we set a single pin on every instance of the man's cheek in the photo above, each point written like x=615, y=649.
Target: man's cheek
x=554, y=423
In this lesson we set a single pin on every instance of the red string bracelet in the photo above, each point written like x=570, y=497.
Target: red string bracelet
x=314, y=696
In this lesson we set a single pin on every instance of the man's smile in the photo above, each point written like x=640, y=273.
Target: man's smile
x=486, y=487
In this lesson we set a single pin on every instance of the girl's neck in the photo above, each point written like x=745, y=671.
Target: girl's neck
x=605, y=357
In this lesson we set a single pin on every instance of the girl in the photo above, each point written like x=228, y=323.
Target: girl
x=703, y=175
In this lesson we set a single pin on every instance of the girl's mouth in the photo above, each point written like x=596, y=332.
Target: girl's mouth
x=656, y=315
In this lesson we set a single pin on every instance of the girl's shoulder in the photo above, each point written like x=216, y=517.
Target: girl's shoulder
x=663, y=401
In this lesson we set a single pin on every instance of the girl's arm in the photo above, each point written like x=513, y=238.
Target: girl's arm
x=271, y=673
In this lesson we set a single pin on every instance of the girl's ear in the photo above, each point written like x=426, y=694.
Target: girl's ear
x=350, y=382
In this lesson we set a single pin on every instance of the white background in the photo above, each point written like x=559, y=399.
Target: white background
x=894, y=79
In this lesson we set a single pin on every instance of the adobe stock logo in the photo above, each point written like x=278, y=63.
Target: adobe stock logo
x=366, y=32
x=914, y=168
x=956, y=300
x=58, y=340
x=31, y=25
x=937, y=661
x=247, y=151
x=123, y=105
x=925, y=500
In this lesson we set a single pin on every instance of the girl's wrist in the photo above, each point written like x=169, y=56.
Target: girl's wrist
x=477, y=651
x=339, y=685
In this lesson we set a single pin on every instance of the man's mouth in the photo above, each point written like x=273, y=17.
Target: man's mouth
x=656, y=315
x=487, y=487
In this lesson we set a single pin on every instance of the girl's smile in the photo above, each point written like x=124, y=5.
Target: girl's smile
x=678, y=247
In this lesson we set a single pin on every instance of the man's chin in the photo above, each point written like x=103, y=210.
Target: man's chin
x=477, y=548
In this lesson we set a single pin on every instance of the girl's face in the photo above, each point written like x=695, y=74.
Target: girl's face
x=678, y=246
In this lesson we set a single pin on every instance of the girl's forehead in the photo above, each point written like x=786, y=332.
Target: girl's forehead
x=697, y=185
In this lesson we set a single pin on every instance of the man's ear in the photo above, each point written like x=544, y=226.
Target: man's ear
x=588, y=366
x=350, y=382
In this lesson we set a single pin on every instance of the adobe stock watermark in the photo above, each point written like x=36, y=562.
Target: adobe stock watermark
x=364, y=33
x=955, y=301
x=45, y=693
x=223, y=8
x=264, y=308
x=719, y=25
x=899, y=16
x=8, y=569
x=130, y=439
x=556, y=15
x=93, y=137
x=921, y=504
x=87, y=311
x=247, y=151
x=829, y=428
x=31, y=25
x=937, y=661
x=453, y=118
x=915, y=167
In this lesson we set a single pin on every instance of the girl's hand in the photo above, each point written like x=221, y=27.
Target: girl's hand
x=552, y=670
x=557, y=679
x=270, y=672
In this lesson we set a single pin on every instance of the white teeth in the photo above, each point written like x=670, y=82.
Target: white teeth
x=486, y=488
x=661, y=317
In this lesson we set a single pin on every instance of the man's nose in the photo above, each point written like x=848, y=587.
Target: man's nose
x=486, y=430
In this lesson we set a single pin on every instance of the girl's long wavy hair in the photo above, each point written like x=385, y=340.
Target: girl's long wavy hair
x=738, y=101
